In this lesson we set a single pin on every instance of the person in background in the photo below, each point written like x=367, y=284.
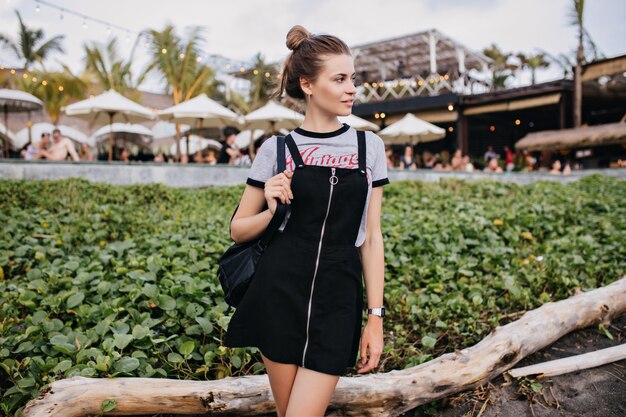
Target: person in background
x=456, y=164
x=85, y=153
x=490, y=154
x=60, y=148
x=556, y=167
x=389, y=154
x=210, y=157
x=466, y=165
x=229, y=152
x=509, y=159
x=408, y=161
x=493, y=166
x=159, y=157
x=32, y=150
x=124, y=157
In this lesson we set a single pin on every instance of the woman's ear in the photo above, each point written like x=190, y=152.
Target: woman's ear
x=305, y=85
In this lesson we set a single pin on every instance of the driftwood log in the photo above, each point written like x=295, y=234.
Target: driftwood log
x=382, y=394
x=572, y=363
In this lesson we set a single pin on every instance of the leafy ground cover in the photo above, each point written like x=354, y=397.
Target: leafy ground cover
x=104, y=281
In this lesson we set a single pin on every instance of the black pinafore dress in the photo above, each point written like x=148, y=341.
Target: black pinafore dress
x=304, y=305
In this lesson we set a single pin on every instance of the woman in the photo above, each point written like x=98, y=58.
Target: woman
x=408, y=161
x=304, y=307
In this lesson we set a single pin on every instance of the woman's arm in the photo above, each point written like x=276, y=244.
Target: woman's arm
x=250, y=220
x=373, y=260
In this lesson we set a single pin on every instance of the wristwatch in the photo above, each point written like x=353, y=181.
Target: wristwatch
x=377, y=311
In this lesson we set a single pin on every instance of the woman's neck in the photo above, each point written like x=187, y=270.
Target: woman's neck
x=316, y=120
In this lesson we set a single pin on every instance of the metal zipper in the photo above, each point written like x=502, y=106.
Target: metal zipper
x=333, y=180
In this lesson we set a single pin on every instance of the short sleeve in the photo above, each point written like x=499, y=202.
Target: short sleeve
x=264, y=164
x=379, y=168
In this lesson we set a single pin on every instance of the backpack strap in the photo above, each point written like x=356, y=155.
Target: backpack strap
x=362, y=151
x=295, y=153
x=280, y=153
x=280, y=158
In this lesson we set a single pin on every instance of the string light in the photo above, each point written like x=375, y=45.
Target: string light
x=492, y=128
x=450, y=107
x=518, y=122
x=85, y=18
x=450, y=129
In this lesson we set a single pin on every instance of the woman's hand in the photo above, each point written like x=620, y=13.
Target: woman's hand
x=372, y=343
x=279, y=186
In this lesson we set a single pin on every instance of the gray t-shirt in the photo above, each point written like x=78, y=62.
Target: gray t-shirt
x=332, y=149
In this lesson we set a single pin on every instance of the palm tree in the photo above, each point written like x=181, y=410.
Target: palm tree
x=501, y=70
x=55, y=89
x=31, y=46
x=260, y=77
x=533, y=62
x=179, y=63
x=110, y=72
x=578, y=8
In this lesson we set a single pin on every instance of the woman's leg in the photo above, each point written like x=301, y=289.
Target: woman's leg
x=311, y=393
x=281, y=377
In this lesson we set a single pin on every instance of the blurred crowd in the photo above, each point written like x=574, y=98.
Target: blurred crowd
x=490, y=161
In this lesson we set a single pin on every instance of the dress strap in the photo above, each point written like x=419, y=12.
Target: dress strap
x=362, y=151
x=295, y=153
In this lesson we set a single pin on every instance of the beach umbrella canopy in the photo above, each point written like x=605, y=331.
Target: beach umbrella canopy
x=21, y=137
x=358, y=123
x=243, y=138
x=411, y=129
x=196, y=143
x=272, y=117
x=15, y=101
x=125, y=131
x=162, y=130
x=199, y=112
x=108, y=108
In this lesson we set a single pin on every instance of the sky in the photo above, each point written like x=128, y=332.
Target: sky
x=239, y=29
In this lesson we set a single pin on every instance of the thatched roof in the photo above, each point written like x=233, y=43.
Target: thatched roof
x=608, y=134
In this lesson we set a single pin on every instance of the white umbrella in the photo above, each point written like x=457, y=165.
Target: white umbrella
x=199, y=112
x=271, y=118
x=21, y=137
x=358, y=123
x=107, y=108
x=162, y=130
x=411, y=129
x=125, y=131
x=196, y=143
x=243, y=138
x=16, y=101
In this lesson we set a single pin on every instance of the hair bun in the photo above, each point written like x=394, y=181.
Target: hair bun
x=296, y=36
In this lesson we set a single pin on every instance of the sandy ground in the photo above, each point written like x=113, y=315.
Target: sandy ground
x=596, y=392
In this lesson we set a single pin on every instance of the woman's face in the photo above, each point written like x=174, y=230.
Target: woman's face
x=333, y=91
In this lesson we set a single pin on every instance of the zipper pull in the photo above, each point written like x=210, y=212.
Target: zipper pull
x=333, y=178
